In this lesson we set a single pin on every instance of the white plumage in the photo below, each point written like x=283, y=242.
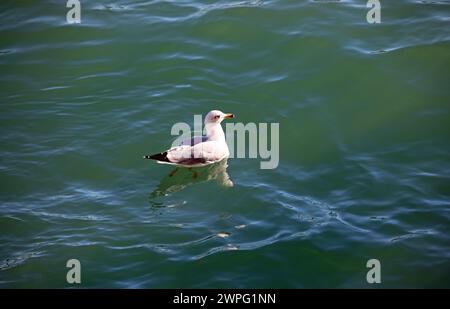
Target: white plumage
x=200, y=150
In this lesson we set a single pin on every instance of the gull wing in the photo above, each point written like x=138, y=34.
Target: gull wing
x=198, y=155
x=194, y=140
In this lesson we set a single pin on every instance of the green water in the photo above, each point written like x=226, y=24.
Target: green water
x=364, y=167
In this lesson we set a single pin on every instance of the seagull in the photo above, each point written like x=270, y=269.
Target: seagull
x=199, y=150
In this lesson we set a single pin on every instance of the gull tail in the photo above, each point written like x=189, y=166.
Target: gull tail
x=158, y=157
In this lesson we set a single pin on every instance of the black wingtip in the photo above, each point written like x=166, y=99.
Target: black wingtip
x=159, y=157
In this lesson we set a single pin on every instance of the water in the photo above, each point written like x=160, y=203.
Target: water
x=364, y=144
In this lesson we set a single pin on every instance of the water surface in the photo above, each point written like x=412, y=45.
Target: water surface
x=364, y=143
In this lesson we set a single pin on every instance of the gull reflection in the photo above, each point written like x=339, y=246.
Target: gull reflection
x=181, y=178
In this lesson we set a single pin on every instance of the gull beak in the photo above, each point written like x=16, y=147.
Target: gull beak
x=228, y=116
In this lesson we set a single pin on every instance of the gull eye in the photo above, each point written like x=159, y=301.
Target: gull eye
x=216, y=117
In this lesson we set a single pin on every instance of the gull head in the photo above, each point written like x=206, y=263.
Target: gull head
x=216, y=116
